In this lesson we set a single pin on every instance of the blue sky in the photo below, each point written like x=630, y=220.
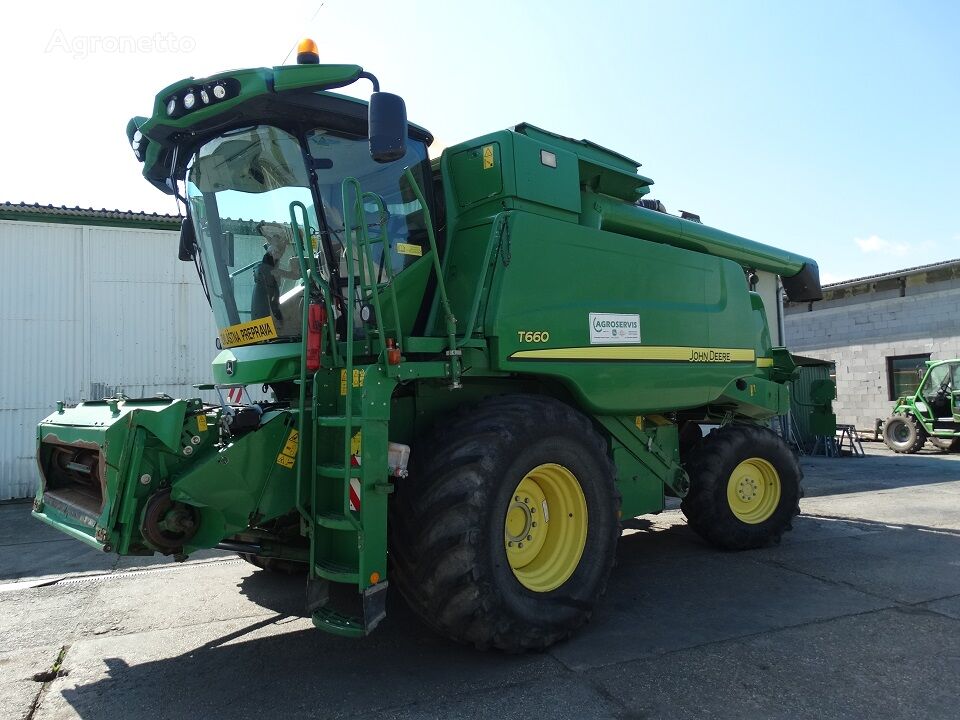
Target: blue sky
x=829, y=129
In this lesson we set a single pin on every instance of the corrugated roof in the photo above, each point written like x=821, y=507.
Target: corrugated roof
x=103, y=216
x=892, y=274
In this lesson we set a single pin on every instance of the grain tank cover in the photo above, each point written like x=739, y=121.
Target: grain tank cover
x=602, y=170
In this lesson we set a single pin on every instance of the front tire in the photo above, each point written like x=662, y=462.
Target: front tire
x=744, y=488
x=505, y=532
x=903, y=434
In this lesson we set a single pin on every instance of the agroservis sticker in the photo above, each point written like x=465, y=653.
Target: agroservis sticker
x=609, y=328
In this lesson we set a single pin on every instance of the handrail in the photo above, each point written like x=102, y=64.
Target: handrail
x=496, y=232
x=302, y=399
x=385, y=260
x=315, y=275
x=348, y=354
x=449, y=320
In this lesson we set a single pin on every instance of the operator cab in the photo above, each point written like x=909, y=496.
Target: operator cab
x=250, y=190
x=941, y=390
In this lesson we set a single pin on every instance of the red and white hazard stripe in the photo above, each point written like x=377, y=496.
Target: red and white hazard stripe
x=355, y=486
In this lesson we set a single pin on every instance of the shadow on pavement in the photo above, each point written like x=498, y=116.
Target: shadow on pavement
x=670, y=593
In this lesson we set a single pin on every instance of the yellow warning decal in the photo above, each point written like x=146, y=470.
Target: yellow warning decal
x=487, y=157
x=658, y=420
x=409, y=249
x=358, y=376
x=288, y=456
x=764, y=362
x=664, y=354
x=355, y=444
x=248, y=332
x=202, y=423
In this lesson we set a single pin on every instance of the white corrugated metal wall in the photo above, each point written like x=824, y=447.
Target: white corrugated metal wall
x=87, y=311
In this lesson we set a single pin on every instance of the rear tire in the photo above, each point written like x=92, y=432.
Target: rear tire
x=903, y=434
x=946, y=445
x=476, y=486
x=744, y=488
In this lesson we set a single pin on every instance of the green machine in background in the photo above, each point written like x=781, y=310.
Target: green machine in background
x=931, y=413
x=812, y=392
x=478, y=366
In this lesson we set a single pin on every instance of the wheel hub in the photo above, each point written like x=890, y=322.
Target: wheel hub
x=545, y=527
x=753, y=490
x=747, y=488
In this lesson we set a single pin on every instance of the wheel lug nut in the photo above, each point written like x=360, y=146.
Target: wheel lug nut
x=509, y=544
x=533, y=524
x=529, y=537
x=520, y=545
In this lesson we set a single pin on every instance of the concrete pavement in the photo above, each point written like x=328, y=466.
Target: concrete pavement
x=855, y=614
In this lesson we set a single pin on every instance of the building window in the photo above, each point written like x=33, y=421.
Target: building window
x=904, y=373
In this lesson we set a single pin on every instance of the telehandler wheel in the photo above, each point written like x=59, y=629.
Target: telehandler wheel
x=744, y=488
x=903, y=434
x=505, y=531
x=946, y=445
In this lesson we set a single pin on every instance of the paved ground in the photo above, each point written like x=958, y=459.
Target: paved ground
x=856, y=614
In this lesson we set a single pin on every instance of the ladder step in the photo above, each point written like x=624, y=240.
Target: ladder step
x=335, y=521
x=334, y=622
x=337, y=471
x=338, y=421
x=337, y=572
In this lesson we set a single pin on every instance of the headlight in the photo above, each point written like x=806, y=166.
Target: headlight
x=204, y=97
x=189, y=100
x=219, y=92
x=171, y=106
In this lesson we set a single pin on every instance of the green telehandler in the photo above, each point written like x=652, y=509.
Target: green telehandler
x=468, y=371
x=931, y=413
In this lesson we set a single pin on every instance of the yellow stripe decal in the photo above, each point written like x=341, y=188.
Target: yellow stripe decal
x=764, y=362
x=663, y=353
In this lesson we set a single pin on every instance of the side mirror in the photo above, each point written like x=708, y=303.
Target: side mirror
x=188, y=240
x=387, y=122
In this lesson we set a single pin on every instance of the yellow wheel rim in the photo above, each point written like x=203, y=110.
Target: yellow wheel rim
x=753, y=490
x=545, y=528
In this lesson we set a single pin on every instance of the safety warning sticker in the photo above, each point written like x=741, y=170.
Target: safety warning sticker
x=408, y=249
x=487, y=157
x=288, y=456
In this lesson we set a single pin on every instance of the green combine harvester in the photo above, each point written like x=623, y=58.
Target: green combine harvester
x=477, y=367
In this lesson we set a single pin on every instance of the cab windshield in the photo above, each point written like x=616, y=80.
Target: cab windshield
x=241, y=186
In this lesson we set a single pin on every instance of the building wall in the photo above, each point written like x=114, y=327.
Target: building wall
x=860, y=336
x=87, y=311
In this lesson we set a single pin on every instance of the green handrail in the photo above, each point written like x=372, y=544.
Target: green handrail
x=385, y=261
x=449, y=320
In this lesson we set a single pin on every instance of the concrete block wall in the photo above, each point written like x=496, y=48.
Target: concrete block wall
x=859, y=338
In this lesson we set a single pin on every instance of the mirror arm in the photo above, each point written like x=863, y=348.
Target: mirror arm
x=372, y=78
